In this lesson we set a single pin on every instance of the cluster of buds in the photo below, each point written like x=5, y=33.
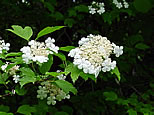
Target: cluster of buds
x=93, y=54
x=39, y=51
x=12, y=71
x=61, y=76
x=120, y=5
x=51, y=92
x=96, y=8
x=4, y=46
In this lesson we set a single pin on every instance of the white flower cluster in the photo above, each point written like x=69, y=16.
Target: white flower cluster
x=61, y=76
x=51, y=92
x=4, y=46
x=93, y=54
x=39, y=51
x=120, y=5
x=24, y=1
x=96, y=8
x=12, y=71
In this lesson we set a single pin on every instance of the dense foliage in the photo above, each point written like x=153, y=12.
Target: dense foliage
x=42, y=90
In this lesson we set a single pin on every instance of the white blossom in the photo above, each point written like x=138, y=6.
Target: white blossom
x=101, y=10
x=42, y=92
x=4, y=46
x=40, y=59
x=74, y=52
x=92, y=10
x=96, y=8
x=16, y=78
x=108, y=65
x=61, y=76
x=93, y=54
x=120, y=5
x=12, y=71
x=3, y=67
x=126, y=5
x=51, y=92
x=118, y=50
x=83, y=40
x=26, y=49
x=51, y=100
x=39, y=51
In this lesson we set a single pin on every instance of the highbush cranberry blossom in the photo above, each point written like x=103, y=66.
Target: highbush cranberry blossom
x=120, y=5
x=39, y=51
x=12, y=71
x=96, y=8
x=4, y=46
x=93, y=54
x=51, y=92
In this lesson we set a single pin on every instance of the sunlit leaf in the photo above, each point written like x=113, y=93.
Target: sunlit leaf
x=25, y=33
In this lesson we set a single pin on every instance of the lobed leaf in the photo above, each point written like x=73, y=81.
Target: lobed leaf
x=24, y=33
x=28, y=76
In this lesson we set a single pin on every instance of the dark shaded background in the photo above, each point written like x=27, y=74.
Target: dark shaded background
x=127, y=27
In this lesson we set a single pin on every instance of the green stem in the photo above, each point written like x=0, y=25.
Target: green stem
x=33, y=67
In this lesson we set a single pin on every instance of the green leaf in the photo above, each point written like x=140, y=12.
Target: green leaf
x=142, y=46
x=26, y=110
x=61, y=113
x=75, y=72
x=54, y=74
x=66, y=86
x=48, y=30
x=4, y=108
x=10, y=66
x=13, y=54
x=20, y=91
x=45, y=67
x=142, y=5
x=68, y=68
x=69, y=22
x=116, y=72
x=122, y=102
x=91, y=76
x=132, y=112
x=67, y=109
x=42, y=108
x=110, y=96
x=152, y=85
x=61, y=56
x=82, y=8
x=3, y=78
x=25, y=33
x=59, y=16
x=146, y=114
x=72, y=13
x=107, y=18
x=28, y=76
x=66, y=48
x=84, y=76
x=16, y=60
x=1, y=63
x=49, y=6
x=4, y=113
x=2, y=56
x=135, y=39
